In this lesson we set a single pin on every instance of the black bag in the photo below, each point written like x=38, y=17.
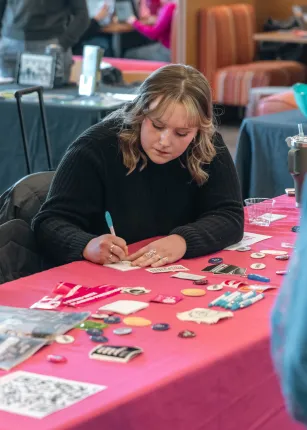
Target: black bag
x=282, y=51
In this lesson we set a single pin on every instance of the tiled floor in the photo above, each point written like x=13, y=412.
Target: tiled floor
x=230, y=135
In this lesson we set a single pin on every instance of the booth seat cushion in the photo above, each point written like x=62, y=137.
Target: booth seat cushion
x=232, y=84
x=276, y=103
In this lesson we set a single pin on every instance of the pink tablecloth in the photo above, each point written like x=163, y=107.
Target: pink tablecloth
x=220, y=380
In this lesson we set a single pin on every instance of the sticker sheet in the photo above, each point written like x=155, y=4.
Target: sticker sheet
x=37, y=396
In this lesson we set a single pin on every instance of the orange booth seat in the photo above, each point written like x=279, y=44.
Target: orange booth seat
x=227, y=52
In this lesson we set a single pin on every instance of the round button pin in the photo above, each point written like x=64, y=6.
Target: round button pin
x=160, y=327
x=112, y=320
x=282, y=257
x=94, y=331
x=193, y=292
x=244, y=248
x=99, y=316
x=122, y=331
x=200, y=282
x=257, y=266
x=257, y=255
x=216, y=287
x=295, y=229
x=99, y=339
x=186, y=334
x=215, y=260
x=56, y=358
x=137, y=321
x=64, y=338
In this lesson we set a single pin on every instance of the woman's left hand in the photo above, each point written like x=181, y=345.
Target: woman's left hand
x=160, y=252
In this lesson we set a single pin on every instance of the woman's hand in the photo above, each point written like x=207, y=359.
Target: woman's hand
x=131, y=20
x=106, y=249
x=160, y=252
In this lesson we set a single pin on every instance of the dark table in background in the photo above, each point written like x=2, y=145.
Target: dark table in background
x=65, y=123
x=262, y=153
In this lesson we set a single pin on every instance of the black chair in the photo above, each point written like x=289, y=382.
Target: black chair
x=24, y=199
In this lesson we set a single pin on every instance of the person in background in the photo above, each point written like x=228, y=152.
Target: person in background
x=31, y=25
x=289, y=326
x=159, y=167
x=160, y=32
x=94, y=36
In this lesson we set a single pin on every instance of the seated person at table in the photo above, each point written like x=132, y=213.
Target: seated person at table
x=159, y=167
x=160, y=32
x=94, y=36
x=31, y=25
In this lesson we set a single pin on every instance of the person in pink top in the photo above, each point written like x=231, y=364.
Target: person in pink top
x=160, y=32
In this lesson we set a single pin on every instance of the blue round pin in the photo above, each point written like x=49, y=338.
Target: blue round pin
x=295, y=229
x=215, y=260
x=99, y=339
x=112, y=320
x=94, y=331
x=160, y=327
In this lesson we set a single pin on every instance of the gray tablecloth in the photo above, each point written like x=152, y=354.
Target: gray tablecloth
x=262, y=153
x=65, y=124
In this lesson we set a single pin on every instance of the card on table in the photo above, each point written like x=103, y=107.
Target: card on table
x=188, y=276
x=225, y=269
x=123, y=266
x=125, y=307
x=248, y=240
x=121, y=354
x=175, y=268
x=37, y=396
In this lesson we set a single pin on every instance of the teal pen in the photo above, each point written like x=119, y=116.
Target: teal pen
x=236, y=304
x=229, y=299
x=251, y=301
x=218, y=299
x=110, y=222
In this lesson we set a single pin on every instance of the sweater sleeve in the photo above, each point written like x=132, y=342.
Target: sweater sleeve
x=62, y=227
x=162, y=24
x=77, y=25
x=221, y=219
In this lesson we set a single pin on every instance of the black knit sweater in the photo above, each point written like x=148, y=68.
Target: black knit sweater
x=157, y=201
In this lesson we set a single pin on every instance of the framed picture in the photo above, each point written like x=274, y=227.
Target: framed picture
x=36, y=69
x=124, y=9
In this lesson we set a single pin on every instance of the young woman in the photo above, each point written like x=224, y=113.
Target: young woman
x=158, y=166
x=31, y=25
x=160, y=32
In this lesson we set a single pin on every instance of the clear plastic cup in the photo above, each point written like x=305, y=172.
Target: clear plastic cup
x=259, y=210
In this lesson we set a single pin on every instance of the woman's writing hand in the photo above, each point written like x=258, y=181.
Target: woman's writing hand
x=105, y=249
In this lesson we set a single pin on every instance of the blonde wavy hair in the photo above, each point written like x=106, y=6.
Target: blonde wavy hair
x=171, y=84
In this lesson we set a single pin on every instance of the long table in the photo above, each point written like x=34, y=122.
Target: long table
x=262, y=153
x=220, y=380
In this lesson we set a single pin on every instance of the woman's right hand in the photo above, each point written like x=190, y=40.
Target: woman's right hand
x=106, y=249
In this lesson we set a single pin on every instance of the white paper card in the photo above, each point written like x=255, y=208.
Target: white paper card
x=37, y=396
x=272, y=217
x=188, y=276
x=123, y=266
x=175, y=268
x=248, y=240
x=125, y=307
